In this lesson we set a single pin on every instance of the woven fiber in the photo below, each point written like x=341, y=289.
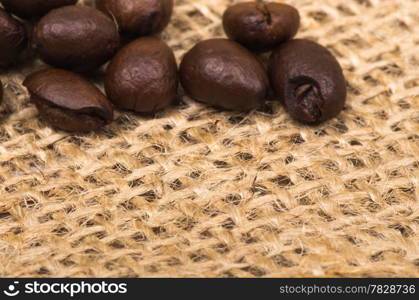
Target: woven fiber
x=197, y=192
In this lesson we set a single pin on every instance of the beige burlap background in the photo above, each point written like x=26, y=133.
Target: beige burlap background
x=197, y=192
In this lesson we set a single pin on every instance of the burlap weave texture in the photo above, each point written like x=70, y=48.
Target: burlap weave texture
x=198, y=192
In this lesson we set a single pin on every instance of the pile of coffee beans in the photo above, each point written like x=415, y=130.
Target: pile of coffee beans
x=142, y=74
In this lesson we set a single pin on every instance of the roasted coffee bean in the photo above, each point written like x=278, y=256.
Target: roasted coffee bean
x=13, y=39
x=1, y=92
x=142, y=76
x=308, y=80
x=78, y=38
x=68, y=101
x=138, y=17
x=261, y=26
x=223, y=73
x=29, y=9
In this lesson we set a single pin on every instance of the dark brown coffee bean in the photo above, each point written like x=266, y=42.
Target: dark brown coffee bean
x=261, y=26
x=68, y=101
x=13, y=39
x=78, y=38
x=223, y=73
x=308, y=80
x=1, y=92
x=142, y=76
x=29, y=9
x=138, y=17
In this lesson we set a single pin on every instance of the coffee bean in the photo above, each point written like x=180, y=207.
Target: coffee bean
x=223, y=73
x=68, y=101
x=1, y=92
x=29, y=9
x=13, y=39
x=138, y=17
x=308, y=80
x=78, y=38
x=261, y=26
x=142, y=76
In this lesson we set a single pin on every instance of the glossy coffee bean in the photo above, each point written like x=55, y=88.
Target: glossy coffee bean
x=13, y=39
x=67, y=101
x=142, y=76
x=29, y=9
x=261, y=26
x=223, y=73
x=77, y=38
x=138, y=17
x=308, y=80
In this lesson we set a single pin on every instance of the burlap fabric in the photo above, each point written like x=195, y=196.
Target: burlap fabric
x=198, y=192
